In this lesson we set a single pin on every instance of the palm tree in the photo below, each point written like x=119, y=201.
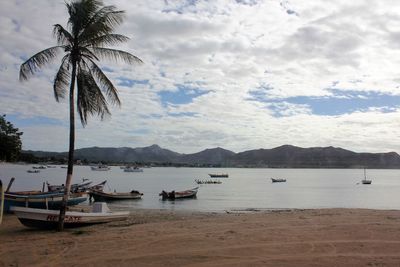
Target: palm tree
x=89, y=29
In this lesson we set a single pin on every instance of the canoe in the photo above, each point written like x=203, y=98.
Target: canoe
x=103, y=196
x=50, y=200
x=80, y=187
x=48, y=219
x=191, y=193
x=208, y=181
x=278, y=180
x=218, y=175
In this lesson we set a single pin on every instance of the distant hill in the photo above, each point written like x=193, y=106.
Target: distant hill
x=314, y=157
x=285, y=156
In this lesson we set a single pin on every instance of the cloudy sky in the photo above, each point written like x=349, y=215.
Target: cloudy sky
x=241, y=75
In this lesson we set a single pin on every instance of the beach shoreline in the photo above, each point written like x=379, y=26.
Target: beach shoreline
x=312, y=237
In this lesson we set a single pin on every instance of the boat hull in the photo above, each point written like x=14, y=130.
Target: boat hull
x=192, y=193
x=48, y=219
x=51, y=201
x=101, y=196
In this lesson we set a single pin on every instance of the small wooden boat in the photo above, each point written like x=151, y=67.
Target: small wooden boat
x=98, y=195
x=208, y=181
x=33, y=171
x=218, y=175
x=133, y=169
x=191, y=193
x=80, y=187
x=48, y=219
x=278, y=180
x=41, y=200
x=100, y=168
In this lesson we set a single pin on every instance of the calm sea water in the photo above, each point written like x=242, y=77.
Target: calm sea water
x=244, y=189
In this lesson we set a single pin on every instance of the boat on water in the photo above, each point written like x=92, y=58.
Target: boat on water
x=191, y=193
x=33, y=171
x=278, y=180
x=100, y=168
x=132, y=169
x=208, y=181
x=99, y=195
x=79, y=187
x=41, y=200
x=39, y=167
x=365, y=180
x=218, y=175
x=48, y=219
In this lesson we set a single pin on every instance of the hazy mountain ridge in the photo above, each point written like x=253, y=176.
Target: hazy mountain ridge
x=285, y=156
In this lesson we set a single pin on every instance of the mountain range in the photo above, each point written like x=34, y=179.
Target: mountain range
x=286, y=156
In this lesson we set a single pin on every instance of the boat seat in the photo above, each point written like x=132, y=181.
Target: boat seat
x=100, y=207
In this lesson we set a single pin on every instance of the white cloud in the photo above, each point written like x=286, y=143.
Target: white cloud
x=229, y=49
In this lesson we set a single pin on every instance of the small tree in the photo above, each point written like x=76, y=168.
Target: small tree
x=10, y=140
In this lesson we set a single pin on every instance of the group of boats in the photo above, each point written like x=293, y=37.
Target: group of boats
x=198, y=181
x=40, y=209
x=128, y=168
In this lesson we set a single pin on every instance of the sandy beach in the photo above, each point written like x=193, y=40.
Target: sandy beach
x=327, y=237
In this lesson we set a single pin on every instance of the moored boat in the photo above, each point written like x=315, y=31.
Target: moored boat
x=218, y=175
x=33, y=171
x=79, y=187
x=98, y=195
x=48, y=219
x=135, y=169
x=41, y=200
x=100, y=168
x=191, y=193
x=278, y=180
x=365, y=180
x=208, y=181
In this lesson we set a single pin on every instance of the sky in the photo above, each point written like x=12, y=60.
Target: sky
x=241, y=75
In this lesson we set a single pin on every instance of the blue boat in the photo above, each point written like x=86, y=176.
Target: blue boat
x=39, y=200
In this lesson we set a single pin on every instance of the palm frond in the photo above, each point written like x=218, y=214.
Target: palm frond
x=90, y=100
x=62, y=35
x=106, y=39
x=80, y=13
x=38, y=60
x=62, y=79
x=114, y=54
x=105, y=83
x=103, y=22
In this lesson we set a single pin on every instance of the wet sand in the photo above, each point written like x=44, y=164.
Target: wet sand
x=327, y=237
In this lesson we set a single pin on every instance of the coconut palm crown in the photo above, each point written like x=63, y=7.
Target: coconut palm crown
x=90, y=28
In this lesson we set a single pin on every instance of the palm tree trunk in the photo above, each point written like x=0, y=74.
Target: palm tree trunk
x=71, y=150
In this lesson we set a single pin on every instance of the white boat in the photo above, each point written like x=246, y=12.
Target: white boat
x=100, y=168
x=365, y=181
x=133, y=169
x=48, y=219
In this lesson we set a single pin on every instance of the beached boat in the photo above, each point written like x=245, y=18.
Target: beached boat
x=48, y=219
x=41, y=200
x=105, y=196
x=365, y=180
x=278, y=180
x=33, y=171
x=133, y=169
x=218, y=175
x=191, y=193
x=100, y=168
x=80, y=187
x=208, y=181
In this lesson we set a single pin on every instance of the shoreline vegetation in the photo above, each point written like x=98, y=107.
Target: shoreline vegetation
x=312, y=237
